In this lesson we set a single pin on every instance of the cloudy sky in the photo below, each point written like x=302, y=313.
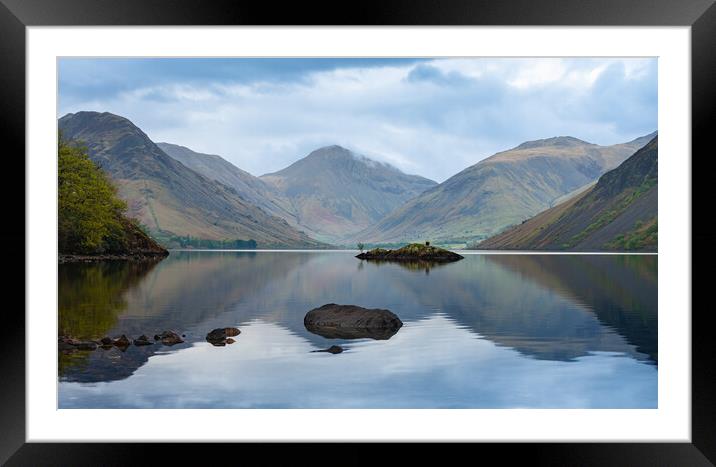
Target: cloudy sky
x=432, y=117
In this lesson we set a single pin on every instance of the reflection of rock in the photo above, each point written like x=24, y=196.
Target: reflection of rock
x=169, y=338
x=219, y=337
x=413, y=265
x=412, y=252
x=351, y=322
x=334, y=349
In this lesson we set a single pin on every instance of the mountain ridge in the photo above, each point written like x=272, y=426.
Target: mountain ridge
x=336, y=192
x=168, y=197
x=501, y=190
x=618, y=213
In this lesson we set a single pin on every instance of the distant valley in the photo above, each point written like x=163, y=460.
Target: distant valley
x=499, y=191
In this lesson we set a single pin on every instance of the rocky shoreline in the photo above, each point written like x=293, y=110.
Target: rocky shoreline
x=217, y=337
x=140, y=256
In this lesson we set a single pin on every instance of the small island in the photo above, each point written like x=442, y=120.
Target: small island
x=412, y=252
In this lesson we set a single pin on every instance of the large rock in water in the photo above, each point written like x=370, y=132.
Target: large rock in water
x=351, y=322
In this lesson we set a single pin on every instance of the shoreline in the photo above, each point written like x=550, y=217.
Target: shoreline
x=68, y=258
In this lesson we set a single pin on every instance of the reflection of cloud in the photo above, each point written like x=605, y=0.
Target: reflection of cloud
x=263, y=115
x=422, y=366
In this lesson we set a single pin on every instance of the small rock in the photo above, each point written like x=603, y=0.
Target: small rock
x=170, y=338
x=222, y=333
x=106, y=341
x=334, y=349
x=230, y=340
x=122, y=341
x=142, y=340
x=66, y=343
x=89, y=345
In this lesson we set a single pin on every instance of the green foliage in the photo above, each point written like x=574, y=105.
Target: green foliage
x=643, y=236
x=90, y=215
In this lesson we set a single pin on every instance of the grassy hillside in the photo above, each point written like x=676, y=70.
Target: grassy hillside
x=91, y=218
x=168, y=197
x=500, y=191
x=619, y=213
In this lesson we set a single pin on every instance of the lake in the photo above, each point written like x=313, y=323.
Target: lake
x=489, y=331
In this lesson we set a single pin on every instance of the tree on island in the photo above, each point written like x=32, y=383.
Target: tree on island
x=361, y=246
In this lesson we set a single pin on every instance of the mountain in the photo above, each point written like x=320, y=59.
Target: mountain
x=618, y=213
x=249, y=187
x=335, y=193
x=167, y=196
x=499, y=191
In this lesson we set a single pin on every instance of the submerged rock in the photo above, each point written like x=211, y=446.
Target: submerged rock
x=412, y=252
x=334, y=349
x=351, y=322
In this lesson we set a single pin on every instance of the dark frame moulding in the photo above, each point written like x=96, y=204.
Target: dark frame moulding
x=16, y=15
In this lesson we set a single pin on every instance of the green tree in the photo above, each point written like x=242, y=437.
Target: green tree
x=90, y=214
x=361, y=246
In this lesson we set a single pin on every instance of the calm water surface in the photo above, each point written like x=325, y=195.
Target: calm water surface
x=490, y=331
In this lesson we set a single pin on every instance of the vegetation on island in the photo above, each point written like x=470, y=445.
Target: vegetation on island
x=411, y=252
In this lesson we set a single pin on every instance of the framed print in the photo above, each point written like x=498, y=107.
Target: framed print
x=420, y=224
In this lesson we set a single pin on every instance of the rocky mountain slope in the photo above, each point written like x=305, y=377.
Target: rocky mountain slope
x=618, y=213
x=167, y=196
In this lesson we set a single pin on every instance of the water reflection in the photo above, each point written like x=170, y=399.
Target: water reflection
x=488, y=331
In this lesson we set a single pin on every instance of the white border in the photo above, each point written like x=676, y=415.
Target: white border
x=670, y=422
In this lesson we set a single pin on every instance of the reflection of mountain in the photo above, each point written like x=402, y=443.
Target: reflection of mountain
x=510, y=305
x=186, y=293
x=547, y=307
x=620, y=290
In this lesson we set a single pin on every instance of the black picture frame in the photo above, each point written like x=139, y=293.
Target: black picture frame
x=16, y=15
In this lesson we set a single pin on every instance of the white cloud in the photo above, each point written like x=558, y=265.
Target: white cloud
x=433, y=118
